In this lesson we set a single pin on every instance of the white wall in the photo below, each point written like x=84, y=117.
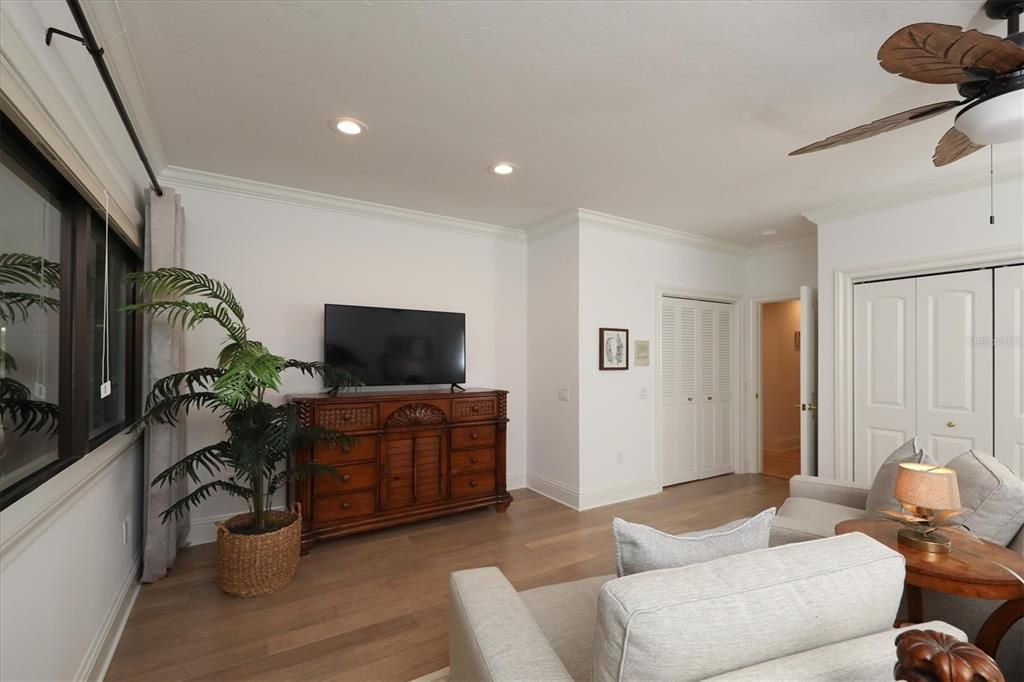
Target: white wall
x=553, y=302
x=779, y=270
x=951, y=227
x=620, y=278
x=286, y=260
x=68, y=581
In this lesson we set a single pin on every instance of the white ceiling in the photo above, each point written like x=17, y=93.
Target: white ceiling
x=676, y=114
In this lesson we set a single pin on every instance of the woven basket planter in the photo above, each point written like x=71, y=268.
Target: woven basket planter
x=251, y=565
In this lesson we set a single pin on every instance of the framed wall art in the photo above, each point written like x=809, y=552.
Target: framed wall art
x=614, y=350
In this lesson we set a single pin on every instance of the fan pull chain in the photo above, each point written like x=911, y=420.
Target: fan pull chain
x=991, y=188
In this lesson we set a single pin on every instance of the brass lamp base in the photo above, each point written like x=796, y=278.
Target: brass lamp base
x=933, y=542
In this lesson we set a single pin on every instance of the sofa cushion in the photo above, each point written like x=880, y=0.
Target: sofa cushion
x=991, y=496
x=706, y=619
x=567, y=615
x=881, y=494
x=641, y=548
x=871, y=657
x=814, y=517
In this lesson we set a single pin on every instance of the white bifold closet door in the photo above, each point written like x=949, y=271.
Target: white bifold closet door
x=1009, y=363
x=697, y=389
x=923, y=366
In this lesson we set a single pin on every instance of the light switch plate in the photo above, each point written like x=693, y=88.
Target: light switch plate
x=105, y=389
x=40, y=391
x=563, y=394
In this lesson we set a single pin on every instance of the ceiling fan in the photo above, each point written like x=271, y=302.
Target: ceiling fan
x=988, y=72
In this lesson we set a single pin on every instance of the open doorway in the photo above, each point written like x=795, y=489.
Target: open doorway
x=780, y=388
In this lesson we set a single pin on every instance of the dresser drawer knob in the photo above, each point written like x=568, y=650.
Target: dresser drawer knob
x=473, y=460
x=473, y=484
x=346, y=505
x=476, y=408
x=474, y=435
x=346, y=478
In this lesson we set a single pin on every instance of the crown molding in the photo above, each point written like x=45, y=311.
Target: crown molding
x=107, y=23
x=636, y=228
x=187, y=177
x=908, y=195
x=32, y=98
x=545, y=228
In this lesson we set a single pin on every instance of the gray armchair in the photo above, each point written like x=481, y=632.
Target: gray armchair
x=814, y=507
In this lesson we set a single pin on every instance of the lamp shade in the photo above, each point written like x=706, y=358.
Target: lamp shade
x=928, y=487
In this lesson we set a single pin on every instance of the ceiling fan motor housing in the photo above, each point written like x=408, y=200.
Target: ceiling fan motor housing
x=998, y=115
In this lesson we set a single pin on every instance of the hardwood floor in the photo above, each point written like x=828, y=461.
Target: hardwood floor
x=375, y=606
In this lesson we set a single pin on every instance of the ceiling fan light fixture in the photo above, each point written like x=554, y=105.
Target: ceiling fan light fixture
x=348, y=126
x=994, y=121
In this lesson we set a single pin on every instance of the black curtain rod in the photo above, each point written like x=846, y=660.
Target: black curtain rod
x=89, y=41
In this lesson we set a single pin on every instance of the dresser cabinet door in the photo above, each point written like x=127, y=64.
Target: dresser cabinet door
x=414, y=469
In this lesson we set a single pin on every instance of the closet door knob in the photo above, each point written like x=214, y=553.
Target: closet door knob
x=951, y=424
x=709, y=397
x=690, y=399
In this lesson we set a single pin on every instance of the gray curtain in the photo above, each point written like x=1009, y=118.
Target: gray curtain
x=164, y=353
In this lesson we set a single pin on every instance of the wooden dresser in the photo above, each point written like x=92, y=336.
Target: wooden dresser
x=418, y=454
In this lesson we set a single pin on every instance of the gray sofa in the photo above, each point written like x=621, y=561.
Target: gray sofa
x=816, y=505
x=808, y=611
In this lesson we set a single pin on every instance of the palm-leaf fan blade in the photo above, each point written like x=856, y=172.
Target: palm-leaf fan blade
x=943, y=54
x=882, y=125
x=954, y=146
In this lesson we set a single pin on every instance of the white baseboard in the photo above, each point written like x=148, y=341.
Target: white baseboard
x=101, y=651
x=553, y=490
x=588, y=499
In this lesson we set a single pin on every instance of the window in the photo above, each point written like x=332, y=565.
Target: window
x=53, y=254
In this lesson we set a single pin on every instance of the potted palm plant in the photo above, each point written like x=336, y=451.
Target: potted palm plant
x=257, y=551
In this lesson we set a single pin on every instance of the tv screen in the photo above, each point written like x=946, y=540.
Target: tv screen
x=394, y=347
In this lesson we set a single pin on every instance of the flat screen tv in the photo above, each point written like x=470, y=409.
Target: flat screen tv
x=395, y=347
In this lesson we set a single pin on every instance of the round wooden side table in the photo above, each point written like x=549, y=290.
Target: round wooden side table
x=972, y=569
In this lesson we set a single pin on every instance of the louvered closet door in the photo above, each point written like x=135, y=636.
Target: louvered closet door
x=708, y=426
x=678, y=390
x=954, y=363
x=1009, y=363
x=724, y=396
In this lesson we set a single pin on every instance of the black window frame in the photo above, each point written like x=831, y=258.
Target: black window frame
x=78, y=218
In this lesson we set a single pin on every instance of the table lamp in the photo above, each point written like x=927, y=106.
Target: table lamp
x=931, y=498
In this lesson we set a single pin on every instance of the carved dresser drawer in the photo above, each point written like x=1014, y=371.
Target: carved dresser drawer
x=347, y=417
x=474, y=409
x=472, y=460
x=362, y=450
x=472, y=436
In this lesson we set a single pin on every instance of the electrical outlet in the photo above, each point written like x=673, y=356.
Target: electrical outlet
x=618, y=458
x=643, y=393
x=563, y=394
x=40, y=391
x=126, y=532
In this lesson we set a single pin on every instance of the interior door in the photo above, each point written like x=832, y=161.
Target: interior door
x=884, y=372
x=808, y=381
x=954, y=363
x=1009, y=365
x=678, y=366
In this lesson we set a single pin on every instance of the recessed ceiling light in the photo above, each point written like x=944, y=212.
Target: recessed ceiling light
x=768, y=233
x=349, y=126
x=503, y=168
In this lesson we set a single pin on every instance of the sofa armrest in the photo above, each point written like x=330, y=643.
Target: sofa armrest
x=828, y=490
x=491, y=634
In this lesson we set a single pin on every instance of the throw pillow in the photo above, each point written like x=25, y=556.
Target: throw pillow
x=641, y=548
x=991, y=496
x=880, y=496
